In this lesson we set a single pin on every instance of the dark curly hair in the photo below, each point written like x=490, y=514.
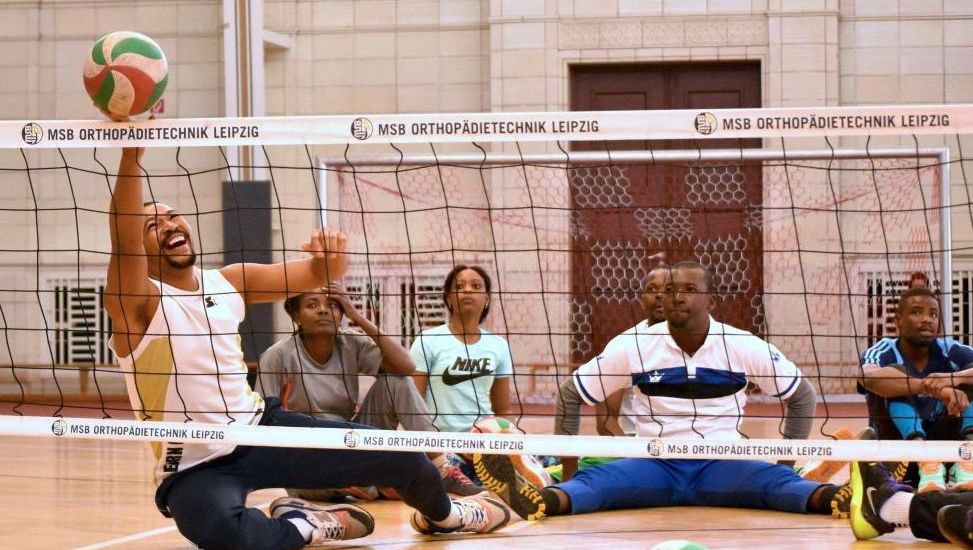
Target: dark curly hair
x=451, y=277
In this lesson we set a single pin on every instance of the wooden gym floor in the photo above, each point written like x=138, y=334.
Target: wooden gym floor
x=88, y=494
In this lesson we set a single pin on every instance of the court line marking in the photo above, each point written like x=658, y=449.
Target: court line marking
x=163, y=530
x=129, y=538
x=144, y=535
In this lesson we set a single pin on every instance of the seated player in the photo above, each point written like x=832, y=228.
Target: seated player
x=316, y=371
x=617, y=415
x=880, y=505
x=175, y=332
x=913, y=383
x=692, y=373
x=463, y=371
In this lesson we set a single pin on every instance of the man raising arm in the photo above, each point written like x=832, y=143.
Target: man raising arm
x=175, y=332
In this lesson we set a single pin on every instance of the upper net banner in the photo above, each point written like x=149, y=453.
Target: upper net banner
x=493, y=127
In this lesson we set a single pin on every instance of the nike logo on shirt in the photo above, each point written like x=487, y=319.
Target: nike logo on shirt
x=467, y=369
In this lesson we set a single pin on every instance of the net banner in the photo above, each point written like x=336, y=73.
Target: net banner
x=485, y=443
x=493, y=127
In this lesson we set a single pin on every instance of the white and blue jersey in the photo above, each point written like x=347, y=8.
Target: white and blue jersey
x=945, y=355
x=683, y=396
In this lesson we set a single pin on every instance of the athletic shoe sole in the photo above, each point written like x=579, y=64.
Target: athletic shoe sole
x=360, y=524
x=532, y=471
x=522, y=497
x=859, y=525
x=955, y=538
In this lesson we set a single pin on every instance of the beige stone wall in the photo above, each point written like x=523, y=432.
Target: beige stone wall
x=378, y=56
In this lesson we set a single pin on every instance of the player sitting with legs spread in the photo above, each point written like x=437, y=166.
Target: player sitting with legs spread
x=919, y=377
x=691, y=372
x=175, y=332
x=316, y=371
x=880, y=505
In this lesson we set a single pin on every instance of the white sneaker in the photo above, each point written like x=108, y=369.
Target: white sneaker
x=478, y=514
x=331, y=523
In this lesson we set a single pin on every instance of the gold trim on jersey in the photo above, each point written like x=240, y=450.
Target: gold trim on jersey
x=153, y=371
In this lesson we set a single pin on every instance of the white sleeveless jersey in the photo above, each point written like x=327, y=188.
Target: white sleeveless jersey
x=189, y=368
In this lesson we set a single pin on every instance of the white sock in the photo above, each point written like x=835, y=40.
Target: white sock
x=896, y=509
x=304, y=526
x=439, y=461
x=453, y=519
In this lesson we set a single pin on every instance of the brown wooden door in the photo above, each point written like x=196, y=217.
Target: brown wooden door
x=624, y=216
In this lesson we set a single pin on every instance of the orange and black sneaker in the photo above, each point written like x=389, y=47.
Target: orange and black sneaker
x=841, y=502
x=499, y=474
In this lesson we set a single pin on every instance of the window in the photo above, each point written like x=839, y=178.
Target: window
x=81, y=326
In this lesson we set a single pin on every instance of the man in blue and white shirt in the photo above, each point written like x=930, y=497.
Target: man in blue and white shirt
x=691, y=373
x=913, y=383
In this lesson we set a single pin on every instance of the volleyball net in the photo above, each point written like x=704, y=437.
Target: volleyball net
x=813, y=221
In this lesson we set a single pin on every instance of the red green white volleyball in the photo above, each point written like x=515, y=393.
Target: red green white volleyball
x=495, y=425
x=125, y=73
x=678, y=545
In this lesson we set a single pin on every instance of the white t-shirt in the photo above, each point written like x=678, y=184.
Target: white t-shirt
x=698, y=396
x=460, y=375
x=189, y=368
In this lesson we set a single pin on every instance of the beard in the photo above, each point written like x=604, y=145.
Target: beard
x=181, y=262
x=678, y=320
x=656, y=317
x=917, y=341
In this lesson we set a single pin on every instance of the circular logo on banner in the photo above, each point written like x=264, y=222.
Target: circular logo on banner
x=966, y=451
x=32, y=133
x=705, y=123
x=361, y=128
x=351, y=439
x=59, y=427
x=656, y=447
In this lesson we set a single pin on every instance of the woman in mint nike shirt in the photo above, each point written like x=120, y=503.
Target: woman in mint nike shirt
x=462, y=370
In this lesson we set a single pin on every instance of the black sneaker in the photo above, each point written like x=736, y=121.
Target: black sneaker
x=841, y=502
x=954, y=524
x=498, y=473
x=871, y=486
x=900, y=470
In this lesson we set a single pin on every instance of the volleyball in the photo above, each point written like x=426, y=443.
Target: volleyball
x=125, y=73
x=495, y=425
x=678, y=545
